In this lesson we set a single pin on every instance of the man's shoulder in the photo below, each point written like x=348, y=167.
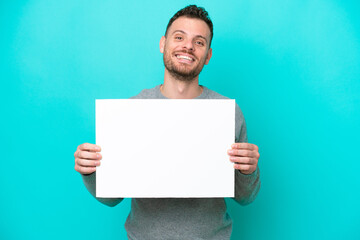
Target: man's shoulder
x=148, y=93
x=210, y=94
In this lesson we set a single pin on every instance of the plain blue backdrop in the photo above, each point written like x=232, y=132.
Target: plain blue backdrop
x=292, y=66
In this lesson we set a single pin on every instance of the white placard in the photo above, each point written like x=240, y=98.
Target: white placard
x=165, y=148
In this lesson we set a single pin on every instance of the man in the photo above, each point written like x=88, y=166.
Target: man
x=186, y=49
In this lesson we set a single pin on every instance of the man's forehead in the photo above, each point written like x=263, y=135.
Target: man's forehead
x=193, y=26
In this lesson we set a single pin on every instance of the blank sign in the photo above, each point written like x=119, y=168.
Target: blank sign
x=164, y=148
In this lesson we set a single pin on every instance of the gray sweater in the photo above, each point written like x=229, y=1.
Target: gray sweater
x=185, y=218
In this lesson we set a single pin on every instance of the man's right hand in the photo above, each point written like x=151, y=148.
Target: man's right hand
x=87, y=157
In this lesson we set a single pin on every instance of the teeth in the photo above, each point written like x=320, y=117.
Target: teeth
x=184, y=57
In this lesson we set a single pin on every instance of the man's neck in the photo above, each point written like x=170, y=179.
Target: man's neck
x=178, y=89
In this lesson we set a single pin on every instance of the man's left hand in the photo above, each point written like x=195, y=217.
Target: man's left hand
x=245, y=157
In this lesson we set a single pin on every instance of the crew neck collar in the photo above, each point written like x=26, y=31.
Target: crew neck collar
x=201, y=96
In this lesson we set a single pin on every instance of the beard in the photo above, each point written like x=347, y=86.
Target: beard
x=181, y=71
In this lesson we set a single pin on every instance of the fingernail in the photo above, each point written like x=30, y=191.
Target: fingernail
x=230, y=151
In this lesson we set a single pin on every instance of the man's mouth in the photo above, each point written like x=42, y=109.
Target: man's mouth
x=185, y=57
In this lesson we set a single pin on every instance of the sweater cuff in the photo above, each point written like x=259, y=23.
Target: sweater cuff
x=248, y=178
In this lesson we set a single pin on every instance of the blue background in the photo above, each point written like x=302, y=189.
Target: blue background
x=292, y=66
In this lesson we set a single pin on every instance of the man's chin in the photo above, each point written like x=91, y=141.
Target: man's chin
x=184, y=76
x=185, y=71
x=182, y=72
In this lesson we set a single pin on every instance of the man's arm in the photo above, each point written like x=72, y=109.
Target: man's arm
x=246, y=186
x=90, y=184
x=247, y=174
x=87, y=157
x=245, y=157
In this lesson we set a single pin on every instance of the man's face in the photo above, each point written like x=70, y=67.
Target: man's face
x=186, y=48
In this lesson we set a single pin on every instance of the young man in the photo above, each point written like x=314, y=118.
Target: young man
x=186, y=49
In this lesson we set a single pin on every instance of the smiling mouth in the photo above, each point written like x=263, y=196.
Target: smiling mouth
x=179, y=56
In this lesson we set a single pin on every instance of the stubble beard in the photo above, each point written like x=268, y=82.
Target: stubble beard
x=182, y=73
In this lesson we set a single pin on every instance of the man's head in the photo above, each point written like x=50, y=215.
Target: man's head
x=193, y=11
x=186, y=44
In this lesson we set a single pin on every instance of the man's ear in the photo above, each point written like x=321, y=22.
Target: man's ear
x=209, y=54
x=162, y=44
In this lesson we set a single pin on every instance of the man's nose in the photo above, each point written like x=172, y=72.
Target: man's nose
x=188, y=44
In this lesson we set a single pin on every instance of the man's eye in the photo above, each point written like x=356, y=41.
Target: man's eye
x=200, y=43
x=178, y=38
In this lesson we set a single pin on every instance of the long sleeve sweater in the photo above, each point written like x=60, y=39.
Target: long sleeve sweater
x=185, y=218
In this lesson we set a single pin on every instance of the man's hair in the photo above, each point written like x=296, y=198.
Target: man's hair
x=193, y=11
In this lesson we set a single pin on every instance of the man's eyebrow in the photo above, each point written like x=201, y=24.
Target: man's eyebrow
x=181, y=31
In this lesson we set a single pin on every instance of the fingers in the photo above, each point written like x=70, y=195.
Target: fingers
x=89, y=147
x=245, y=169
x=243, y=153
x=85, y=170
x=86, y=166
x=243, y=160
x=244, y=156
x=242, y=163
x=87, y=158
x=87, y=163
x=87, y=155
x=248, y=146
